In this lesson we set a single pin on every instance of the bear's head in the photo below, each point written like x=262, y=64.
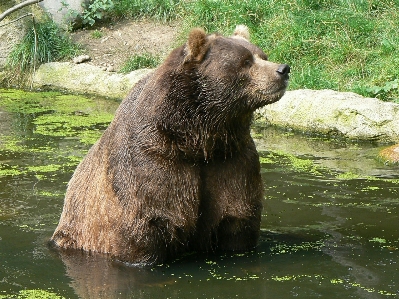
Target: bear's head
x=210, y=88
x=234, y=68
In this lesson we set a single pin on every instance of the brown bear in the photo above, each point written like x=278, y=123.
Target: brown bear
x=177, y=169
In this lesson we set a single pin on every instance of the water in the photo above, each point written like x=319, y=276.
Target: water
x=329, y=227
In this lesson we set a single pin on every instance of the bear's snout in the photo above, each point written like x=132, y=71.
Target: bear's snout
x=283, y=70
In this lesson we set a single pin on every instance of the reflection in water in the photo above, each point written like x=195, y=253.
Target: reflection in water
x=329, y=226
x=342, y=253
x=95, y=276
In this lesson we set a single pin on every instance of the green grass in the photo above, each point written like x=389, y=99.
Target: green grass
x=164, y=10
x=97, y=34
x=140, y=62
x=337, y=44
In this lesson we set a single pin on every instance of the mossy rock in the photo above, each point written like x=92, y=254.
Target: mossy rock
x=85, y=79
x=334, y=113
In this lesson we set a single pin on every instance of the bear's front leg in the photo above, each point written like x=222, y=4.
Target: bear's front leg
x=160, y=201
x=231, y=203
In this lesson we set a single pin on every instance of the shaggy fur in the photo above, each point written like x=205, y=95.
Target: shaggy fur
x=177, y=169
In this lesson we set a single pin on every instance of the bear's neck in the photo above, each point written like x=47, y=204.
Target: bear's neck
x=202, y=137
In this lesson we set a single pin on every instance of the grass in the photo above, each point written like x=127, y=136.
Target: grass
x=142, y=61
x=97, y=34
x=43, y=42
x=164, y=10
x=336, y=44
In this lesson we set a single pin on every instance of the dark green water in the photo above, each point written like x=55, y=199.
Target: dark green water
x=329, y=229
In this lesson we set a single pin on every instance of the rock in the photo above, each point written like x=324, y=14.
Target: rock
x=390, y=154
x=64, y=12
x=10, y=35
x=110, y=68
x=85, y=79
x=81, y=58
x=334, y=113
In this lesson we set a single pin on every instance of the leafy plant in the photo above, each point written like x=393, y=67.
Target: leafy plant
x=388, y=92
x=139, y=62
x=96, y=10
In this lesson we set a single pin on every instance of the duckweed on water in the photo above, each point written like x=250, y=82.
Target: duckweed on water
x=335, y=281
x=43, y=120
x=289, y=249
x=59, y=115
x=295, y=163
x=32, y=294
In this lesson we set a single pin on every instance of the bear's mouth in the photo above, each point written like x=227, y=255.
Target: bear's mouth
x=269, y=96
x=274, y=90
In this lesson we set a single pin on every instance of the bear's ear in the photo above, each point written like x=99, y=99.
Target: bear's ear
x=197, y=45
x=242, y=31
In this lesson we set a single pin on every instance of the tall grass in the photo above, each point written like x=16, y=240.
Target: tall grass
x=43, y=42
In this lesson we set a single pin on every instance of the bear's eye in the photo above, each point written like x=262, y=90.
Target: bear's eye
x=247, y=62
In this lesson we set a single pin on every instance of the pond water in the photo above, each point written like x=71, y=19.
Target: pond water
x=329, y=227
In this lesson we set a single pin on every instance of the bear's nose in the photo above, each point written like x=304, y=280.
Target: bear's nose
x=283, y=69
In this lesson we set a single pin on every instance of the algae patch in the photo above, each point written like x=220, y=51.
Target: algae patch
x=45, y=127
x=322, y=280
x=59, y=115
x=296, y=164
x=32, y=294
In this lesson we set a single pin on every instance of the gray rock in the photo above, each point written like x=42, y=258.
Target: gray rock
x=81, y=59
x=64, y=12
x=339, y=113
x=85, y=79
x=10, y=35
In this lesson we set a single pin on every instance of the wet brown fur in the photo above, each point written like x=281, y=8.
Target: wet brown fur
x=177, y=169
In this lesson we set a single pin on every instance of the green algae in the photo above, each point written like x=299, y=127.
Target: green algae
x=297, y=164
x=34, y=102
x=13, y=171
x=45, y=129
x=348, y=176
x=59, y=125
x=322, y=280
x=58, y=115
x=32, y=294
x=294, y=248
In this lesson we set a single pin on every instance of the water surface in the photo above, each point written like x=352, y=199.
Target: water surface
x=329, y=226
